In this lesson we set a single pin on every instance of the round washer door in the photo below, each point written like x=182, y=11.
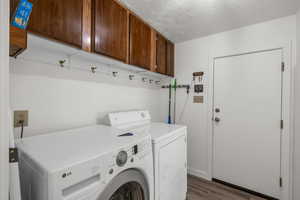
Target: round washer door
x=130, y=184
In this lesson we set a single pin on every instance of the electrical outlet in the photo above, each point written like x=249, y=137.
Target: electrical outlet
x=19, y=116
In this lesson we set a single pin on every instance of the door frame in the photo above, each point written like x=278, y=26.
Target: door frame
x=4, y=99
x=287, y=111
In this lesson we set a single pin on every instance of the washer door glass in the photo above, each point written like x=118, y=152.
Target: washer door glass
x=129, y=191
x=128, y=185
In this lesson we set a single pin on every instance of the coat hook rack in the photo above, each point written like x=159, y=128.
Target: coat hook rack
x=101, y=70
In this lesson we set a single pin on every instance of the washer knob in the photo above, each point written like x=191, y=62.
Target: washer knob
x=122, y=158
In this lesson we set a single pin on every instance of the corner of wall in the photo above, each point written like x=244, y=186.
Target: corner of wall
x=296, y=175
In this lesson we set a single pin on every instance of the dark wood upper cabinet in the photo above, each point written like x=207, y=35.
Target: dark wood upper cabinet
x=164, y=56
x=58, y=19
x=170, y=58
x=141, y=43
x=111, y=29
x=101, y=26
x=161, y=54
x=17, y=36
x=17, y=41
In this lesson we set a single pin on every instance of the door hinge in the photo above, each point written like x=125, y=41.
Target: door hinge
x=281, y=124
x=13, y=155
x=282, y=66
x=280, y=182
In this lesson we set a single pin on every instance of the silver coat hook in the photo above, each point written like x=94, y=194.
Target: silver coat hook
x=131, y=77
x=62, y=63
x=144, y=79
x=93, y=69
x=150, y=81
x=115, y=74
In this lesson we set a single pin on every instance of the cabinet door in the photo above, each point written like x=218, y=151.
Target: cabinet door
x=17, y=41
x=161, y=54
x=141, y=48
x=17, y=37
x=170, y=58
x=111, y=29
x=58, y=19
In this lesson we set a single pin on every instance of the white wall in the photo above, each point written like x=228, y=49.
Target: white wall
x=297, y=116
x=61, y=99
x=194, y=55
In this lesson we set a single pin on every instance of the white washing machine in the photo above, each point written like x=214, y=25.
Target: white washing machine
x=90, y=163
x=169, y=150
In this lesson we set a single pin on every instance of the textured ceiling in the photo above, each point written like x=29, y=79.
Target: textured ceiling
x=182, y=20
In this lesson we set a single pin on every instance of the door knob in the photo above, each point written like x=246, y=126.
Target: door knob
x=217, y=119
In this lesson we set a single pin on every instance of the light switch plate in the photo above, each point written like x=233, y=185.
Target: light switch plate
x=198, y=99
x=20, y=115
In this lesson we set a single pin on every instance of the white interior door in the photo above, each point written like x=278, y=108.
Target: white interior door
x=247, y=138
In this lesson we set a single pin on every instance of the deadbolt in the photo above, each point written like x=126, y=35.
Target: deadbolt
x=217, y=110
x=217, y=119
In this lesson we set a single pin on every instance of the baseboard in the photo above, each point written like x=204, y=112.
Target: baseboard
x=199, y=173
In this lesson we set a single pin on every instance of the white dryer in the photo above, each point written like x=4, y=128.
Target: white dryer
x=90, y=163
x=169, y=150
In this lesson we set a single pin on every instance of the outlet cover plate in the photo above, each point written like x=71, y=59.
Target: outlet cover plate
x=20, y=115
